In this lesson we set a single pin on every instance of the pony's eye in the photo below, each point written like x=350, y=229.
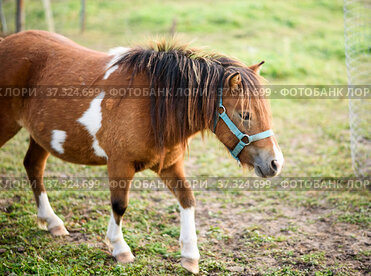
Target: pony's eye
x=246, y=116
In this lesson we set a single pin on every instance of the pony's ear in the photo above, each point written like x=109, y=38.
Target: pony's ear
x=234, y=80
x=256, y=67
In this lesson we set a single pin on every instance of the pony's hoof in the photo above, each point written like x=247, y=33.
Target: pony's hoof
x=190, y=264
x=42, y=224
x=59, y=230
x=125, y=257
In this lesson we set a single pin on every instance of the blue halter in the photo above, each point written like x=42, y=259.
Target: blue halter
x=233, y=128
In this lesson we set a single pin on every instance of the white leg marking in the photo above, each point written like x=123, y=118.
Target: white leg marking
x=58, y=138
x=45, y=212
x=188, y=237
x=114, y=235
x=117, y=53
x=92, y=121
x=110, y=71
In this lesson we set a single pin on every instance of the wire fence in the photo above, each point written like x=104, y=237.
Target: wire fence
x=357, y=23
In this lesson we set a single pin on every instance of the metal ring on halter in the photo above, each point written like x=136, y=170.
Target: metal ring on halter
x=222, y=106
x=248, y=139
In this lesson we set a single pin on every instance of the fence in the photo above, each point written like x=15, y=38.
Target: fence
x=357, y=23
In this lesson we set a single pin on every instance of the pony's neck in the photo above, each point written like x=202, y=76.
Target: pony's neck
x=186, y=135
x=179, y=130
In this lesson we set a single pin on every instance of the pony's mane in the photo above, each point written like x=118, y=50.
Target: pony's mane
x=191, y=77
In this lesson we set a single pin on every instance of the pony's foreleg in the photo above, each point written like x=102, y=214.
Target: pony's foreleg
x=120, y=177
x=175, y=181
x=34, y=162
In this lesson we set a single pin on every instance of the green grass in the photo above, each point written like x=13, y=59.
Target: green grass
x=269, y=233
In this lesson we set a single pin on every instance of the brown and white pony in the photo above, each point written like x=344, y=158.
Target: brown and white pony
x=128, y=134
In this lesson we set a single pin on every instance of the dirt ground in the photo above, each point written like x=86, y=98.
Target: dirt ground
x=302, y=230
x=248, y=233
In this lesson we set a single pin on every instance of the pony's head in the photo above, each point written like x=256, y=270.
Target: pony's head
x=176, y=116
x=243, y=101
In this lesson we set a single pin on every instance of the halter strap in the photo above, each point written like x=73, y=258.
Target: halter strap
x=234, y=129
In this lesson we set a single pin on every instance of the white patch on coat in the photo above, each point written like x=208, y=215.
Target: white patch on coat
x=110, y=71
x=115, y=236
x=188, y=237
x=117, y=53
x=45, y=212
x=58, y=138
x=92, y=121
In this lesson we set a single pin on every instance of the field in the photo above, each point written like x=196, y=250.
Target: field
x=239, y=232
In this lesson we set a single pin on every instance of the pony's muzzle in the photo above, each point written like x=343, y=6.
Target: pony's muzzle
x=269, y=168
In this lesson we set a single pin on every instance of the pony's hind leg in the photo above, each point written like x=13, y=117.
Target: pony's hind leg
x=120, y=177
x=175, y=180
x=34, y=162
x=8, y=126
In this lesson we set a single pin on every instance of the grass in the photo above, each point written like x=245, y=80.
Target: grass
x=268, y=233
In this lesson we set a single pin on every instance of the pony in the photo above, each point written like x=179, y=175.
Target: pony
x=131, y=134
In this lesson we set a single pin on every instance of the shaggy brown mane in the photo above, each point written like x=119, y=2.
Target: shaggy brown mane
x=191, y=78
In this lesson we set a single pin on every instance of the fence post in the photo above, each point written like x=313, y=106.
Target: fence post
x=82, y=16
x=4, y=27
x=20, y=16
x=49, y=15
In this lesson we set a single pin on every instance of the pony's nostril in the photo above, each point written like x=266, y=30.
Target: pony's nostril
x=274, y=165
